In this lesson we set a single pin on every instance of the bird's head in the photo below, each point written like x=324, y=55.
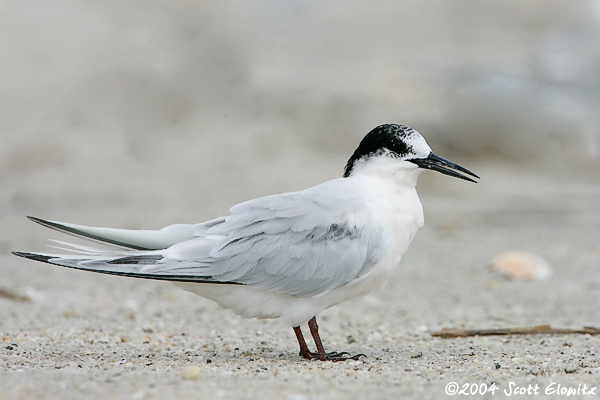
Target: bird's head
x=402, y=144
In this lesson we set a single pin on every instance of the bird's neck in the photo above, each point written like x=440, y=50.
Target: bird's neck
x=403, y=173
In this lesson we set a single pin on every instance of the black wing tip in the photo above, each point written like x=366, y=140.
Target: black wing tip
x=33, y=256
x=58, y=226
x=171, y=278
x=37, y=220
x=45, y=222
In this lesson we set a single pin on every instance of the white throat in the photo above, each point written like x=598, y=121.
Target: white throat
x=402, y=172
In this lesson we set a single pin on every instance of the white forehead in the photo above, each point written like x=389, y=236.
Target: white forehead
x=416, y=143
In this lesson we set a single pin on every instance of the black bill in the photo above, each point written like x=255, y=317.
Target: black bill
x=444, y=166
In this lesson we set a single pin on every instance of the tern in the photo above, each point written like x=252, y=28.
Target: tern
x=288, y=256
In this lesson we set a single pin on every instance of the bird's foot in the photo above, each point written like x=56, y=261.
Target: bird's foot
x=333, y=356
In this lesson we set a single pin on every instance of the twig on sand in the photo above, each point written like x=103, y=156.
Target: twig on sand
x=11, y=295
x=530, y=330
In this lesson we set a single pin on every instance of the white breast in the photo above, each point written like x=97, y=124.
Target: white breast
x=396, y=208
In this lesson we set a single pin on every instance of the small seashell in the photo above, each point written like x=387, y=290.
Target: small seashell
x=191, y=372
x=521, y=265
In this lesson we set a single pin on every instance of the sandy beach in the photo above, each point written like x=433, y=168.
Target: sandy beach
x=141, y=115
x=83, y=335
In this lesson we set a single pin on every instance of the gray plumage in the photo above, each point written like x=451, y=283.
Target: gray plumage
x=293, y=243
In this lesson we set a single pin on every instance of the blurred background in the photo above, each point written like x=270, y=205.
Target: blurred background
x=141, y=114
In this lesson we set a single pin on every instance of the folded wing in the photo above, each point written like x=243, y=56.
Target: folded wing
x=301, y=244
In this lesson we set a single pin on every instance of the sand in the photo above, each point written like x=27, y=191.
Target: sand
x=81, y=335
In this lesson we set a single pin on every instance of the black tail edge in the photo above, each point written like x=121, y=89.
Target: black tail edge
x=33, y=256
x=171, y=278
x=77, y=233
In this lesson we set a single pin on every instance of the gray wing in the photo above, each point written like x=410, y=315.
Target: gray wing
x=301, y=243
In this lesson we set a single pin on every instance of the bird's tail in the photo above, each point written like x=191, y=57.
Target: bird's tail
x=131, y=253
x=124, y=238
x=107, y=261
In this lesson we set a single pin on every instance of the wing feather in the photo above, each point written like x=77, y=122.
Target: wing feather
x=302, y=244
x=299, y=244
